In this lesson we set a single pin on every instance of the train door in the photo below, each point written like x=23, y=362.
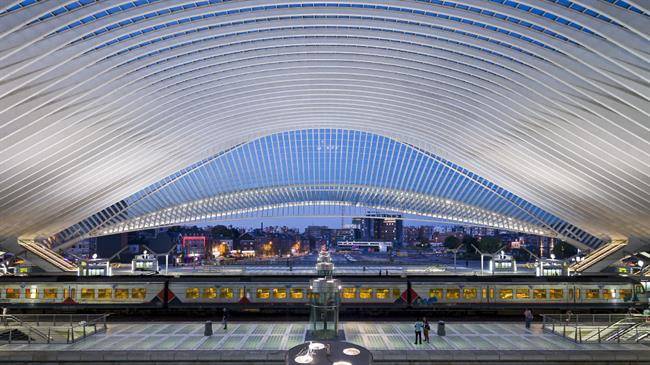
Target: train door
x=69, y=293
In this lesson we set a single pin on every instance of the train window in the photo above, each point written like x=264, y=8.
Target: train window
x=279, y=293
x=556, y=293
x=226, y=293
x=491, y=293
x=435, y=293
x=365, y=293
x=469, y=293
x=453, y=293
x=505, y=294
x=382, y=293
x=209, y=293
x=121, y=293
x=592, y=294
x=297, y=293
x=192, y=293
x=522, y=293
x=349, y=293
x=484, y=293
x=12, y=293
x=626, y=294
x=396, y=293
x=539, y=293
x=105, y=294
x=263, y=293
x=608, y=294
x=139, y=293
x=50, y=293
x=87, y=293
x=31, y=293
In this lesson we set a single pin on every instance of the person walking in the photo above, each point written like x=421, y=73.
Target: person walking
x=419, y=326
x=569, y=315
x=426, y=329
x=224, y=320
x=528, y=317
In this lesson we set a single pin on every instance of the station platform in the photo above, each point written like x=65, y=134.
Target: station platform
x=266, y=343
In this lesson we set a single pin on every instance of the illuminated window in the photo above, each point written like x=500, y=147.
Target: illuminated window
x=87, y=293
x=297, y=293
x=226, y=293
x=484, y=293
x=435, y=293
x=12, y=293
x=209, y=293
x=396, y=293
x=192, y=293
x=556, y=293
x=491, y=293
x=263, y=293
x=505, y=294
x=121, y=293
x=470, y=293
x=31, y=293
x=592, y=294
x=626, y=294
x=382, y=293
x=608, y=294
x=50, y=293
x=104, y=294
x=140, y=293
x=453, y=293
x=539, y=293
x=279, y=293
x=349, y=293
x=365, y=293
x=522, y=294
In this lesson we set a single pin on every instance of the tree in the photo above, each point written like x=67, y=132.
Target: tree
x=563, y=250
x=489, y=244
x=469, y=242
x=451, y=242
x=221, y=231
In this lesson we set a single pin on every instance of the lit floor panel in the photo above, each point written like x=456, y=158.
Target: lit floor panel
x=282, y=336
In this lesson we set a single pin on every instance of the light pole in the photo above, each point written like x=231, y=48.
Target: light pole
x=640, y=264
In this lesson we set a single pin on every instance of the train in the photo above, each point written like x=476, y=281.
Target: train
x=278, y=293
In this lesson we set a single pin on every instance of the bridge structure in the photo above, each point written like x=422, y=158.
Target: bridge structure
x=527, y=115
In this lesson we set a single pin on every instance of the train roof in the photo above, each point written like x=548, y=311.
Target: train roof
x=305, y=278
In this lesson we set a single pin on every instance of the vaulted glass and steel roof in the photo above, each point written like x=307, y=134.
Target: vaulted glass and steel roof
x=547, y=98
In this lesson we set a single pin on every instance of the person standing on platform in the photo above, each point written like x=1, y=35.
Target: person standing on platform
x=224, y=320
x=426, y=330
x=419, y=326
x=528, y=317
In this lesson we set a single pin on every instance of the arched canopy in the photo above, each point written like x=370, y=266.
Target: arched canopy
x=284, y=172
x=549, y=99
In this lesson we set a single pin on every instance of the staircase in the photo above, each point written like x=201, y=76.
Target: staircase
x=12, y=329
x=590, y=263
x=600, y=328
x=45, y=253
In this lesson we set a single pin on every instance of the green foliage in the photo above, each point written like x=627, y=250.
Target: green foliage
x=489, y=244
x=451, y=242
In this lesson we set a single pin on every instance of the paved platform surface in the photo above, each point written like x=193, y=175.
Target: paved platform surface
x=390, y=342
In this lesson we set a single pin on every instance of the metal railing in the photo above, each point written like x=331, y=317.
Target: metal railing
x=50, y=328
x=599, y=328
